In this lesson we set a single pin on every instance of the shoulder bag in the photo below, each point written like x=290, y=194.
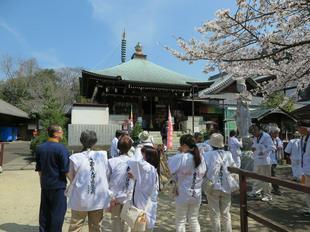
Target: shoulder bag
x=134, y=217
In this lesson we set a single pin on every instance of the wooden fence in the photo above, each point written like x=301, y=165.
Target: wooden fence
x=245, y=213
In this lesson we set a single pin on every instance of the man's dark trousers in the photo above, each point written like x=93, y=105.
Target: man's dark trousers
x=52, y=210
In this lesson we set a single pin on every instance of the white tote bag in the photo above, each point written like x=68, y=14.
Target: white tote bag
x=134, y=217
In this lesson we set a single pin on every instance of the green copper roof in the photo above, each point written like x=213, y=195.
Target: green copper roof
x=142, y=70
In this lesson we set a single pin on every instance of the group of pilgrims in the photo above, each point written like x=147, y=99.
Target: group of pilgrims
x=103, y=181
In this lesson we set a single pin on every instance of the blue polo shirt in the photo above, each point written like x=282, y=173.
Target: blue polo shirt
x=52, y=160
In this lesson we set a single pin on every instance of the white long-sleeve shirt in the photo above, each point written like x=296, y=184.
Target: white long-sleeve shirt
x=146, y=188
x=264, y=147
x=114, y=151
x=119, y=182
x=217, y=162
x=274, y=154
x=305, y=154
x=203, y=147
x=189, y=178
x=293, y=148
x=234, y=146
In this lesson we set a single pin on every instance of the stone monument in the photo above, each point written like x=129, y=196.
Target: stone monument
x=243, y=119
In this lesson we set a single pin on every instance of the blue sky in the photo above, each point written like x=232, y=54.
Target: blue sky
x=87, y=33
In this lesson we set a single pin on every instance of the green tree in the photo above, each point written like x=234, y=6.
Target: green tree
x=137, y=129
x=24, y=84
x=51, y=114
x=278, y=99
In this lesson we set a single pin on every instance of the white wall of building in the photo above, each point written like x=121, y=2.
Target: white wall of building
x=90, y=115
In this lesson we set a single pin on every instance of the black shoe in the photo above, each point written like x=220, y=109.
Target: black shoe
x=306, y=214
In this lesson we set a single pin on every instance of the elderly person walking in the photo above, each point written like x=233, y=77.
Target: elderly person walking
x=219, y=184
x=114, y=152
x=88, y=192
x=276, y=155
x=235, y=147
x=293, y=149
x=263, y=147
x=304, y=130
x=189, y=168
x=52, y=164
x=120, y=184
x=145, y=139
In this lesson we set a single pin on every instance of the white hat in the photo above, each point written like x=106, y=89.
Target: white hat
x=216, y=140
x=145, y=137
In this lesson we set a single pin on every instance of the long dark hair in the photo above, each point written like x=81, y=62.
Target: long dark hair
x=189, y=140
x=152, y=156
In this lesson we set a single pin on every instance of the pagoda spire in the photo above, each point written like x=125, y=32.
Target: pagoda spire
x=123, y=47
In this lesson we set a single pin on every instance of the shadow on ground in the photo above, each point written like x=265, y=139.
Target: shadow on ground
x=9, y=227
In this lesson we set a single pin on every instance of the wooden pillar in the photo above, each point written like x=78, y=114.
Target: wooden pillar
x=94, y=93
x=243, y=203
x=1, y=155
x=151, y=113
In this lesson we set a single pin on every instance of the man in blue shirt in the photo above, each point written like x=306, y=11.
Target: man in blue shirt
x=52, y=164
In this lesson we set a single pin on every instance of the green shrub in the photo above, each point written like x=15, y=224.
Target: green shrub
x=137, y=129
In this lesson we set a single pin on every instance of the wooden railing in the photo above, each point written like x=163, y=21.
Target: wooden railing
x=1, y=155
x=245, y=213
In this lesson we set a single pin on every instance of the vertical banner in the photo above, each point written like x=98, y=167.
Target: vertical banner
x=170, y=131
x=131, y=119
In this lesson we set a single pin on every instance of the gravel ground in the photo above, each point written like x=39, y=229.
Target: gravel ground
x=20, y=199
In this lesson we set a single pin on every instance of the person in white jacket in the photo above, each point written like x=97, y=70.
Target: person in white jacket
x=235, y=146
x=114, y=152
x=189, y=168
x=219, y=184
x=293, y=149
x=304, y=130
x=119, y=182
x=145, y=173
x=262, y=147
x=276, y=155
x=88, y=192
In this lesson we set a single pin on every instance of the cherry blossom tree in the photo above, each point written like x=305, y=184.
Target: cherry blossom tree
x=261, y=37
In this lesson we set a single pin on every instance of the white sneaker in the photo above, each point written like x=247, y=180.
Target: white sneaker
x=255, y=194
x=266, y=199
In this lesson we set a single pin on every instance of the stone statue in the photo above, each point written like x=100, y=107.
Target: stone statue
x=243, y=118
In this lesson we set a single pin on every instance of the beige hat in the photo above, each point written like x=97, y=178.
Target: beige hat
x=216, y=140
x=145, y=137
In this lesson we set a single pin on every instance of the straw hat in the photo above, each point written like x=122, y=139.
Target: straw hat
x=145, y=137
x=216, y=140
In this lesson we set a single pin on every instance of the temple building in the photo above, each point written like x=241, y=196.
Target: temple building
x=146, y=90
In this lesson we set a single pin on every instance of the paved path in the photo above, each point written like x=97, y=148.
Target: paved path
x=17, y=156
x=20, y=199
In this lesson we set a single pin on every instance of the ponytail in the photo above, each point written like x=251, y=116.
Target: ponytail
x=196, y=154
x=189, y=140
